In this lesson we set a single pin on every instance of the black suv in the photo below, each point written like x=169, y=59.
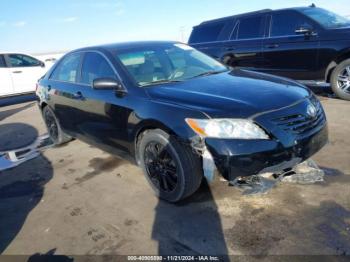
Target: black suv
x=306, y=43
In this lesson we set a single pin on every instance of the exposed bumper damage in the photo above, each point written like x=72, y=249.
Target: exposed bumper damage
x=241, y=158
x=305, y=173
x=13, y=158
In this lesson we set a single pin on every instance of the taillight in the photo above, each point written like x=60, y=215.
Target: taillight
x=36, y=87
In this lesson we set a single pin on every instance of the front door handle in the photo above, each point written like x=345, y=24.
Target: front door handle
x=271, y=46
x=17, y=72
x=78, y=95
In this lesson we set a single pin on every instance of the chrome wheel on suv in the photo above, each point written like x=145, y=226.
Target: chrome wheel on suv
x=344, y=79
x=341, y=80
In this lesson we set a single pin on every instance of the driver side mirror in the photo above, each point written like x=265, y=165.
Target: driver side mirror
x=108, y=84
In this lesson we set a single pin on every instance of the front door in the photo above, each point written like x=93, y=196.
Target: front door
x=287, y=53
x=102, y=116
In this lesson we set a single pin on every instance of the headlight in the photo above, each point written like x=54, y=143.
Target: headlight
x=227, y=128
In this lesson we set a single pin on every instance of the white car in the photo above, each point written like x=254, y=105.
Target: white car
x=19, y=73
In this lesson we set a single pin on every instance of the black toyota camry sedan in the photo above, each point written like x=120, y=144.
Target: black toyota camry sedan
x=179, y=114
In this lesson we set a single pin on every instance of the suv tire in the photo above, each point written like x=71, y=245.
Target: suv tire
x=340, y=80
x=172, y=169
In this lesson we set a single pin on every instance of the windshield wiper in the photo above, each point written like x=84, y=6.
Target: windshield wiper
x=163, y=81
x=209, y=73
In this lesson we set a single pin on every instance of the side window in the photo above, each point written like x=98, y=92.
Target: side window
x=206, y=33
x=18, y=60
x=285, y=23
x=250, y=27
x=95, y=66
x=2, y=61
x=68, y=68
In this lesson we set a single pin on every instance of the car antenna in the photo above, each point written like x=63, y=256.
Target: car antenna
x=313, y=5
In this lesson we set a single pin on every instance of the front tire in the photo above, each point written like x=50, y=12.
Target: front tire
x=54, y=129
x=172, y=169
x=340, y=80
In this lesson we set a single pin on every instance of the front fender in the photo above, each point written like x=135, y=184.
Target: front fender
x=166, y=116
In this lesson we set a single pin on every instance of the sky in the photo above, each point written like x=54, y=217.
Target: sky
x=43, y=26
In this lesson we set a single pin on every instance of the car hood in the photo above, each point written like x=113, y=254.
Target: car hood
x=238, y=93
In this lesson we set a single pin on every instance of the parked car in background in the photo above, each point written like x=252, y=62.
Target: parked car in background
x=19, y=73
x=308, y=43
x=168, y=107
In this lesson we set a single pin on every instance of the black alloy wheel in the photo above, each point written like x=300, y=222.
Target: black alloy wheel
x=161, y=167
x=172, y=169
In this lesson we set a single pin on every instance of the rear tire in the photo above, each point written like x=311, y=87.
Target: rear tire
x=172, y=169
x=340, y=80
x=54, y=129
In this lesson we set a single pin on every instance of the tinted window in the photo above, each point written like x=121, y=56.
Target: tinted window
x=2, y=61
x=95, y=66
x=18, y=60
x=206, y=33
x=250, y=27
x=285, y=23
x=326, y=18
x=67, y=69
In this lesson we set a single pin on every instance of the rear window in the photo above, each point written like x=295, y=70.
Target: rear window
x=206, y=33
x=250, y=27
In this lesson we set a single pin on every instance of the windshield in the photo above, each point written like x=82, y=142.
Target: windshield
x=167, y=63
x=326, y=18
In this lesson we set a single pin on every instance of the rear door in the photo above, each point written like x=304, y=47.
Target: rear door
x=25, y=72
x=287, y=53
x=210, y=37
x=64, y=93
x=245, y=46
x=6, y=87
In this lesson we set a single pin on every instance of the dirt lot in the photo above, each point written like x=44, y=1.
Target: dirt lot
x=78, y=200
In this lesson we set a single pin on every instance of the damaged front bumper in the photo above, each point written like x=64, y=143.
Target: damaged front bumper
x=235, y=158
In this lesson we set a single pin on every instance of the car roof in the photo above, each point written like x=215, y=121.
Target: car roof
x=127, y=45
x=252, y=13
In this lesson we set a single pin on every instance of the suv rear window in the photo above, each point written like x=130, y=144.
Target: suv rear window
x=206, y=33
x=250, y=27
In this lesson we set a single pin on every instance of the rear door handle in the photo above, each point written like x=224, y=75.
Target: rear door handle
x=17, y=72
x=272, y=46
